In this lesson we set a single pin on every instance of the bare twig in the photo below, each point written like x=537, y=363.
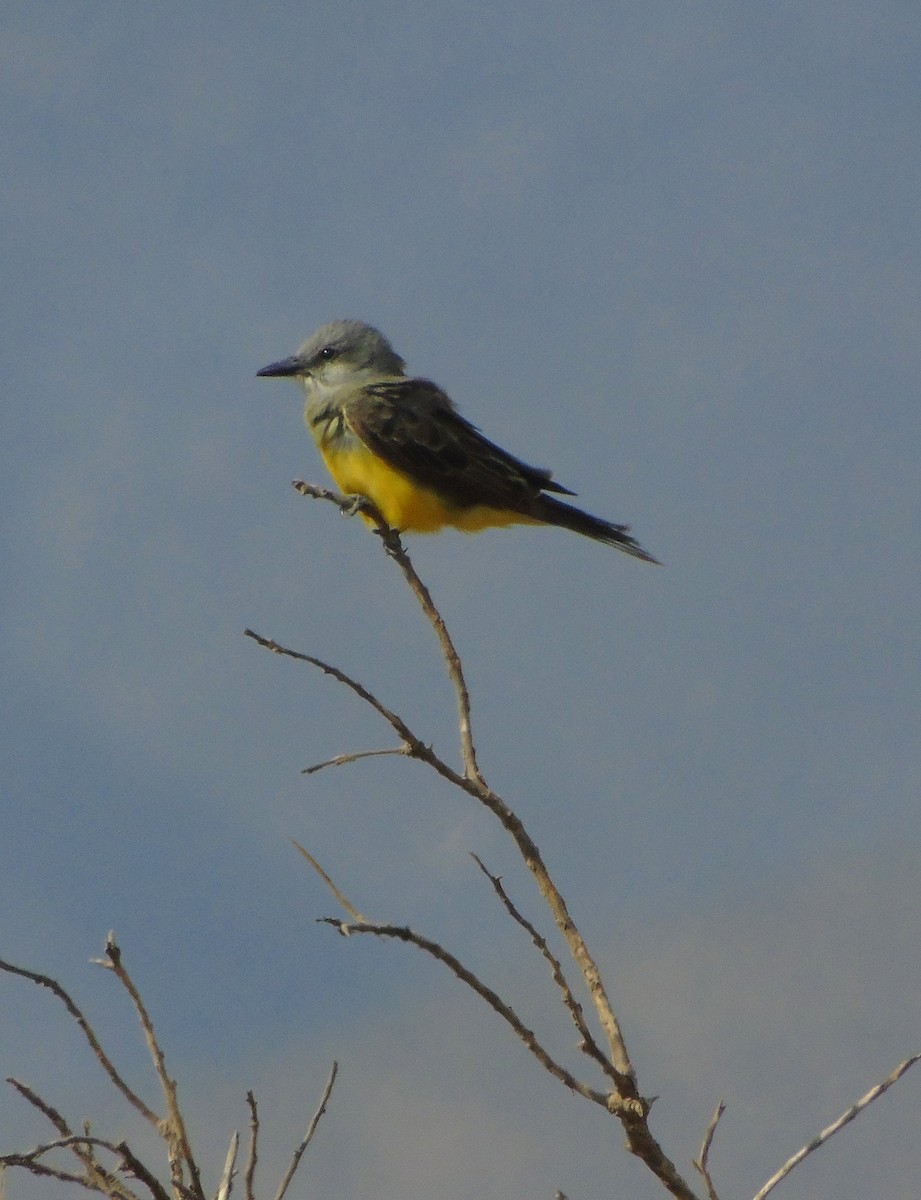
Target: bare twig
x=134, y=1166
x=308, y=1136
x=95, y=1178
x=343, y=901
x=846, y=1117
x=405, y=734
x=173, y=1128
x=93, y=1173
x=225, y=1187
x=87, y=1030
x=403, y=934
x=342, y=759
x=702, y=1163
x=43, y=1106
x=587, y=1042
x=98, y=1178
x=394, y=547
x=253, y=1145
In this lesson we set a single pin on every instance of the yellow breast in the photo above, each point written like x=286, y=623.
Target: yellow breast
x=404, y=504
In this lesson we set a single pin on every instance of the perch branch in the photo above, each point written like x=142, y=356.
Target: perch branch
x=394, y=548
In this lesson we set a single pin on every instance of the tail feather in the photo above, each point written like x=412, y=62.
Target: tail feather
x=567, y=516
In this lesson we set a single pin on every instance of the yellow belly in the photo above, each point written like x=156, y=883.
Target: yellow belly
x=404, y=504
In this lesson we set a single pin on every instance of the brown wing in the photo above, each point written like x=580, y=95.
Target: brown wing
x=412, y=425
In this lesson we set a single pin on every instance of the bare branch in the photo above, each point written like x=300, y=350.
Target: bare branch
x=343, y=901
x=42, y=1169
x=173, y=1128
x=132, y=1165
x=95, y=1178
x=94, y=1175
x=253, y=1156
x=308, y=1136
x=405, y=734
x=394, y=548
x=846, y=1117
x=225, y=1187
x=702, y=1163
x=496, y=1003
x=106, y=1063
x=42, y=1105
x=587, y=1042
x=342, y=759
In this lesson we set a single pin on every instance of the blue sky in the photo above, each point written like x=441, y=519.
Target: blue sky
x=670, y=251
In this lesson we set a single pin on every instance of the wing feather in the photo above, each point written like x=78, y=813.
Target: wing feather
x=413, y=425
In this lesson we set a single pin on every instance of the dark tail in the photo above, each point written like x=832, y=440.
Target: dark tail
x=555, y=512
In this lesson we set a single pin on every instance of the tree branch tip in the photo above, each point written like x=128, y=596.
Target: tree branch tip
x=341, y=927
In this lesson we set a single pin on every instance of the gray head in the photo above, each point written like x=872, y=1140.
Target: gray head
x=339, y=351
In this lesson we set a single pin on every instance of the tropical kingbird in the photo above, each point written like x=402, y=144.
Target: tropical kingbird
x=401, y=444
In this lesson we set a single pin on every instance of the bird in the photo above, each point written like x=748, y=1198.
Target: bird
x=399, y=442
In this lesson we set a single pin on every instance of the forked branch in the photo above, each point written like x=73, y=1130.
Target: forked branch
x=110, y=1178
x=623, y=1099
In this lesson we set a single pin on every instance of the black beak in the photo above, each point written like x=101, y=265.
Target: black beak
x=286, y=366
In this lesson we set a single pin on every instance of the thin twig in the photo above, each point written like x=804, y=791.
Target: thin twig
x=41, y=1169
x=225, y=1187
x=80, y=1146
x=133, y=1166
x=341, y=899
x=42, y=1105
x=403, y=934
x=846, y=1117
x=253, y=1146
x=404, y=733
x=308, y=1136
x=342, y=759
x=96, y=1178
x=702, y=1163
x=587, y=1042
x=394, y=548
x=87, y=1030
x=179, y=1149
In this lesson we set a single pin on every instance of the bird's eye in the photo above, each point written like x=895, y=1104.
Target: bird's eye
x=328, y=352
